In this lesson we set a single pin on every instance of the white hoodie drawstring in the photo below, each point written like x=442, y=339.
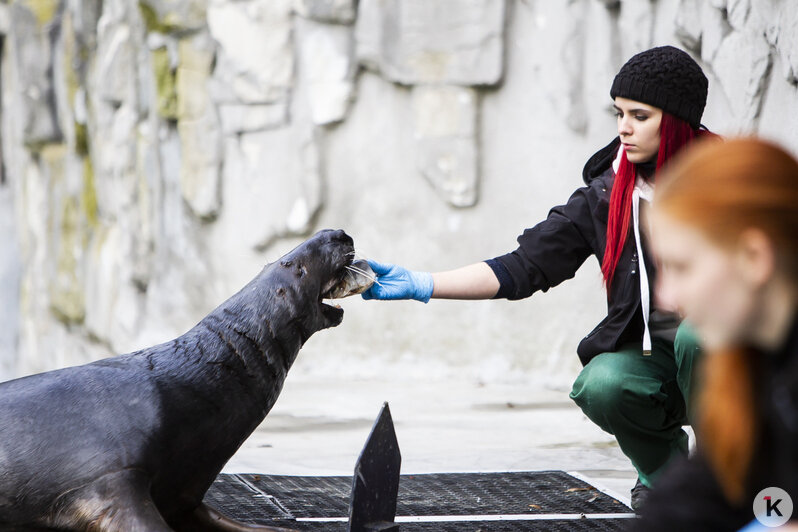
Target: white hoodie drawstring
x=642, y=190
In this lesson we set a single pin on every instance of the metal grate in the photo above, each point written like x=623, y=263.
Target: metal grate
x=563, y=525
x=542, y=492
x=235, y=497
x=278, y=500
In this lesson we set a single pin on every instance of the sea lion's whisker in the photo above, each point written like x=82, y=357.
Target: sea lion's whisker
x=364, y=273
x=367, y=275
x=354, y=268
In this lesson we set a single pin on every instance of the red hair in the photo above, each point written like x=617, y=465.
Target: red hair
x=674, y=134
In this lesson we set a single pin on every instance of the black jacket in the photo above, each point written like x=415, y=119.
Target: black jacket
x=688, y=498
x=554, y=249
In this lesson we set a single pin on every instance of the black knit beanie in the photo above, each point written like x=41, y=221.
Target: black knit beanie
x=664, y=77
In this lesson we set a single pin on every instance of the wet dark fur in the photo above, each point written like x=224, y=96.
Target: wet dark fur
x=134, y=442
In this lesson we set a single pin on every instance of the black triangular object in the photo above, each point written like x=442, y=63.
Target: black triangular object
x=372, y=507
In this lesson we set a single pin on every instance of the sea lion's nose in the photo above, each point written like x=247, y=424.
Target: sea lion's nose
x=339, y=235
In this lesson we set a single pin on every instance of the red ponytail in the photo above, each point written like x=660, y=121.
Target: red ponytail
x=674, y=134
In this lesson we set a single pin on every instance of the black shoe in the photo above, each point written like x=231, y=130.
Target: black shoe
x=639, y=495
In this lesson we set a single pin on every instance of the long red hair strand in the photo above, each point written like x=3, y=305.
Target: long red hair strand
x=674, y=135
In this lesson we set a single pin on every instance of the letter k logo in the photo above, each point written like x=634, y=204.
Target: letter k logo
x=772, y=506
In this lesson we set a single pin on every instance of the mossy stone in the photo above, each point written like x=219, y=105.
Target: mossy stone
x=165, y=83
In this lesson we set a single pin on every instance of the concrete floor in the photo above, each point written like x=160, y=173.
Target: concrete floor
x=319, y=427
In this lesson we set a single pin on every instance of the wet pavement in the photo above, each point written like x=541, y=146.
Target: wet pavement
x=319, y=427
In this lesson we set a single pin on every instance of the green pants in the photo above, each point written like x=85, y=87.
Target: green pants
x=643, y=400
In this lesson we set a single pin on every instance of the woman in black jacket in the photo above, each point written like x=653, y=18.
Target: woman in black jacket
x=726, y=229
x=638, y=360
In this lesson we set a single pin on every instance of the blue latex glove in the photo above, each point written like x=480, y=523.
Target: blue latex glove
x=395, y=282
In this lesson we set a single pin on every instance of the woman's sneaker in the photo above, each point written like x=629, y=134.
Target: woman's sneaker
x=639, y=495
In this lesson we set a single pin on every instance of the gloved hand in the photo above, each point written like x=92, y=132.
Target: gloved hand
x=395, y=282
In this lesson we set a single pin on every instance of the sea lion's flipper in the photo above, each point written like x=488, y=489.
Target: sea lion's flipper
x=116, y=502
x=207, y=519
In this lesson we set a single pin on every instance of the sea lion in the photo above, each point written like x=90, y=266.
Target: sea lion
x=132, y=443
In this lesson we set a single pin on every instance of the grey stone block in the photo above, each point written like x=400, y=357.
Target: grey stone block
x=445, y=125
x=445, y=41
x=333, y=11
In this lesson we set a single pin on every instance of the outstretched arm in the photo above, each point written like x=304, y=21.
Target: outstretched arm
x=547, y=254
x=476, y=281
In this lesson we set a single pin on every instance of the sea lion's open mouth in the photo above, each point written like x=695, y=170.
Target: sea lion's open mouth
x=353, y=278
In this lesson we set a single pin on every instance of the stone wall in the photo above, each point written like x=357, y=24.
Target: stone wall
x=156, y=153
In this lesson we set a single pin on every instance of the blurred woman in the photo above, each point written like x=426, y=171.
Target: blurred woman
x=725, y=227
